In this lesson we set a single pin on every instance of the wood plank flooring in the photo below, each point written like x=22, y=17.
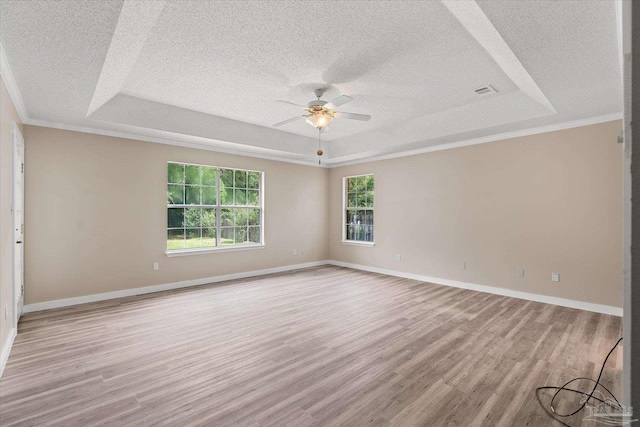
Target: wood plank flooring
x=326, y=346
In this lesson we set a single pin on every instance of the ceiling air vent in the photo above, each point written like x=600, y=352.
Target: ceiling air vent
x=484, y=91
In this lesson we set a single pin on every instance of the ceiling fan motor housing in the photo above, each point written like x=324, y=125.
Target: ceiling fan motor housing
x=316, y=103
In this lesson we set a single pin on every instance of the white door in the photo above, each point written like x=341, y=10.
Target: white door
x=18, y=222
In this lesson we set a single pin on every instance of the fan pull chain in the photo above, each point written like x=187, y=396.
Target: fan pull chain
x=319, y=152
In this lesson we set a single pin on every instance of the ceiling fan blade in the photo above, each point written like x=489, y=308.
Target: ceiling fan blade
x=291, y=103
x=293, y=119
x=341, y=100
x=354, y=116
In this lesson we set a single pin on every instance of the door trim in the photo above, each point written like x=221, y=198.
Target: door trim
x=17, y=303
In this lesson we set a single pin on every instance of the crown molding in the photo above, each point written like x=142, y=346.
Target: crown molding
x=328, y=163
x=12, y=87
x=185, y=144
x=484, y=139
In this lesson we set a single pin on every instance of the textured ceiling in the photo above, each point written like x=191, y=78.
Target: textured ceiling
x=208, y=72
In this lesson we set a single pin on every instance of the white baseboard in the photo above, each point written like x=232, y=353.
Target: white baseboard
x=581, y=305
x=6, y=350
x=165, y=287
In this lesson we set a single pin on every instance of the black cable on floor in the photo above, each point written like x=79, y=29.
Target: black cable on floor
x=588, y=397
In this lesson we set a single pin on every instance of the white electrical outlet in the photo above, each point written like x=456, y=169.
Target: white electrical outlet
x=555, y=277
x=295, y=252
x=398, y=257
x=303, y=251
x=463, y=266
x=156, y=266
x=521, y=272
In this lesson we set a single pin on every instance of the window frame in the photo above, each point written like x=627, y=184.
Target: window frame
x=218, y=208
x=343, y=225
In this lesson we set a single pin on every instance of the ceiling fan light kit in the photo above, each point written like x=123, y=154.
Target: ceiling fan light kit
x=320, y=119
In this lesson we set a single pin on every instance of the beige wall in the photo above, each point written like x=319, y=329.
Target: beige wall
x=547, y=203
x=96, y=215
x=8, y=115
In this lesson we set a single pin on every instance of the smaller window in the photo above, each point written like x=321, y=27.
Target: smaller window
x=357, y=199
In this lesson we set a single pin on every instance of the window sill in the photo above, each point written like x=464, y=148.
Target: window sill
x=358, y=243
x=185, y=252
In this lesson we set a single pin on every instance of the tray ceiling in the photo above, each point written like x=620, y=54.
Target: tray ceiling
x=207, y=73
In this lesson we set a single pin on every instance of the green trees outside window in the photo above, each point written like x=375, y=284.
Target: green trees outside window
x=211, y=207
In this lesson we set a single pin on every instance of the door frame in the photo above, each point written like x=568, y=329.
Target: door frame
x=624, y=23
x=18, y=301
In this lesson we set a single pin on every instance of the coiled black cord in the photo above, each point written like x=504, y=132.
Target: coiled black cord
x=557, y=416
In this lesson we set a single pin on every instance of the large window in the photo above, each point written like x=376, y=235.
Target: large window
x=210, y=207
x=358, y=209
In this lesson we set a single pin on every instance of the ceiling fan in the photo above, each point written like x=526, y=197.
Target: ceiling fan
x=319, y=113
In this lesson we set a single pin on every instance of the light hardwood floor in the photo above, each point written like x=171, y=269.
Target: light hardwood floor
x=326, y=346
